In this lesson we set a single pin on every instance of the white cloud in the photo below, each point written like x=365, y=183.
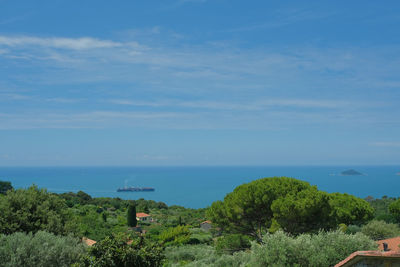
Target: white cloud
x=57, y=42
x=243, y=105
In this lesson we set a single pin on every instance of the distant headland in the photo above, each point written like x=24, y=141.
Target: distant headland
x=351, y=172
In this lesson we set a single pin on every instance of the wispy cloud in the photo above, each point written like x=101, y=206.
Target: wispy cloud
x=64, y=43
x=285, y=17
x=193, y=86
x=249, y=105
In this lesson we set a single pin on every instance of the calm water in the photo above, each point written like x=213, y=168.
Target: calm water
x=197, y=187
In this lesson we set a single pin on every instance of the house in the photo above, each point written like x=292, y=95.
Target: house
x=143, y=217
x=371, y=258
x=387, y=255
x=88, y=242
x=206, y=225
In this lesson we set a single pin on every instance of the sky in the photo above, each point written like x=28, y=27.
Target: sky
x=199, y=82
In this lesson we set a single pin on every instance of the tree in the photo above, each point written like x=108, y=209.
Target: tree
x=104, y=216
x=247, y=210
x=175, y=235
x=321, y=249
x=232, y=243
x=378, y=230
x=115, y=251
x=306, y=211
x=40, y=249
x=83, y=197
x=146, y=209
x=5, y=186
x=394, y=209
x=132, y=221
x=349, y=209
x=270, y=204
x=34, y=209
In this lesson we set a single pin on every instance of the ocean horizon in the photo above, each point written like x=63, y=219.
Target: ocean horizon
x=198, y=186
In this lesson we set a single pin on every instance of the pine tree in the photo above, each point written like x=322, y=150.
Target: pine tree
x=132, y=222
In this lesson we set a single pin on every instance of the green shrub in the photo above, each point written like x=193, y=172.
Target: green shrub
x=5, y=186
x=232, y=243
x=380, y=230
x=188, y=253
x=352, y=229
x=34, y=209
x=175, y=236
x=278, y=249
x=322, y=249
x=115, y=251
x=40, y=249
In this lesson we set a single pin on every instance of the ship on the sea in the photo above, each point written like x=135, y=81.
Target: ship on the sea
x=136, y=189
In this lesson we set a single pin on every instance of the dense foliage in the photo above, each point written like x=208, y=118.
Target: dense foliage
x=270, y=204
x=33, y=209
x=40, y=249
x=232, y=243
x=5, y=186
x=131, y=216
x=278, y=249
x=322, y=249
x=378, y=230
x=269, y=222
x=118, y=251
x=178, y=235
x=394, y=209
x=381, y=208
x=247, y=209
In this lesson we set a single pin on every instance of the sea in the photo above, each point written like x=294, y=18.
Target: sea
x=198, y=187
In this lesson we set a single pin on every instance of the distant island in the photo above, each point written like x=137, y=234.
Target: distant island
x=351, y=172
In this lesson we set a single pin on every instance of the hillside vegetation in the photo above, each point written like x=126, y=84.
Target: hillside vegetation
x=276, y=221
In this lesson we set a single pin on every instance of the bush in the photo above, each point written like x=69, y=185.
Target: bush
x=115, y=251
x=175, y=236
x=232, y=243
x=353, y=229
x=40, y=249
x=188, y=253
x=378, y=230
x=278, y=249
x=203, y=255
x=33, y=209
x=322, y=249
x=4, y=187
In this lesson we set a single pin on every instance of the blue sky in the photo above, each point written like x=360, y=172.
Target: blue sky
x=199, y=82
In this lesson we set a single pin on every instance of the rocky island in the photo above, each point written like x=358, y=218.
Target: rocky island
x=351, y=172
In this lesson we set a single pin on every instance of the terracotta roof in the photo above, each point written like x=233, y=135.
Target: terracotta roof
x=358, y=255
x=88, y=241
x=141, y=215
x=393, y=243
x=206, y=222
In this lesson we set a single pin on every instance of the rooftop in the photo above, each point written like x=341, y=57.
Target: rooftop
x=359, y=255
x=88, y=241
x=141, y=215
x=393, y=243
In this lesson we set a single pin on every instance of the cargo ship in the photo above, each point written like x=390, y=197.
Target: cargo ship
x=135, y=189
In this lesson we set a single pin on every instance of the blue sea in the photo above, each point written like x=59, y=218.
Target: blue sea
x=198, y=187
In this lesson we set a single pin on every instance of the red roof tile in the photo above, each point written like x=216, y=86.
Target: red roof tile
x=371, y=253
x=141, y=215
x=88, y=241
x=206, y=222
x=393, y=243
